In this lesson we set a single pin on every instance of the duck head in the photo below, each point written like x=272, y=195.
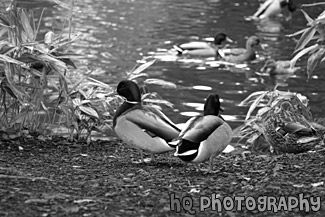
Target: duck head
x=129, y=90
x=291, y=5
x=252, y=42
x=212, y=105
x=221, y=37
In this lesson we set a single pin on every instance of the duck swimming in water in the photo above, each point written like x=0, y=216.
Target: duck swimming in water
x=279, y=67
x=239, y=55
x=142, y=126
x=204, y=137
x=203, y=49
x=273, y=7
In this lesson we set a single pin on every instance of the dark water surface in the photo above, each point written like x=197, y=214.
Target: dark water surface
x=116, y=34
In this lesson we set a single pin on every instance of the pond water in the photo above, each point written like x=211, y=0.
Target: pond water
x=116, y=34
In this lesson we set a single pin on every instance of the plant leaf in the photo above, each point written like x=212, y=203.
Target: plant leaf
x=308, y=18
x=26, y=25
x=159, y=101
x=136, y=76
x=314, y=60
x=32, y=4
x=89, y=111
x=298, y=32
x=143, y=67
x=8, y=59
x=305, y=38
x=248, y=100
x=99, y=83
x=255, y=104
x=262, y=111
x=303, y=52
x=3, y=30
x=160, y=82
x=313, y=4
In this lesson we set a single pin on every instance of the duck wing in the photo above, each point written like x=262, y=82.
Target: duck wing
x=233, y=51
x=154, y=122
x=299, y=129
x=201, y=128
x=194, y=45
x=248, y=56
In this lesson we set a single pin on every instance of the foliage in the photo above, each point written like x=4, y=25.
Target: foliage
x=30, y=67
x=315, y=33
x=36, y=90
x=268, y=103
x=92, y=104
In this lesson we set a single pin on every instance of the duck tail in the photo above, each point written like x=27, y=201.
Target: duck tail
x=186, y=147
x=178, y=49
x=174, y=143
x=187, y=153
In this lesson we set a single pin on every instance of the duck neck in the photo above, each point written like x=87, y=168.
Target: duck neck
x=251, y=54
x=127, y=105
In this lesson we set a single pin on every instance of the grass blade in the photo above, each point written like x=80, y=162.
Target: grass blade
x=143, y=67
x=255, y=104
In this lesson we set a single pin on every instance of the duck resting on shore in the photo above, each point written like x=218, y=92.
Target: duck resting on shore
x=143, y=127
x=204, y=137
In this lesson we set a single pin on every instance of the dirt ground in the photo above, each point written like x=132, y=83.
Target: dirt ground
x=60, y=178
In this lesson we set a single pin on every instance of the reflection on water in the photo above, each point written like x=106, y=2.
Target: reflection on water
x=118, y=33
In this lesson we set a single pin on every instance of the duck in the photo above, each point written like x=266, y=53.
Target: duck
x=289, y=130
x=143, y=127
x=204, y=136
x=279, y=67
x=273, y=7
x=203, y=49
x=239, y=55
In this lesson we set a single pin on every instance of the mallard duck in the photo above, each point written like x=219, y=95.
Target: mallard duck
x=204, y=137
x=142, y=126
x=288, y=128
x=241, y=55
x=273, y=7
x=202, y=49
x=273, y=67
